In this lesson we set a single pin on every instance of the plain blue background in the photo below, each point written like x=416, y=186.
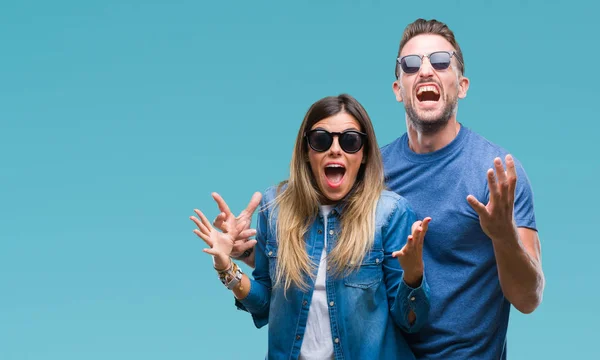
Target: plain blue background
x=117, y=118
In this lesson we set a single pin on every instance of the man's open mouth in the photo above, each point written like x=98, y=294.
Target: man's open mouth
x=428, y=93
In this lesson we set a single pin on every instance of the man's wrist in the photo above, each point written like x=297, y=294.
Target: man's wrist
x=509, y=233
x=507, y=242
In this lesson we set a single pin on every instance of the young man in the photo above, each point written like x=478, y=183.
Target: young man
x=482, y=251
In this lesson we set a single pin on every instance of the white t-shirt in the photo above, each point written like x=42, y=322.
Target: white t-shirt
x=317, y=343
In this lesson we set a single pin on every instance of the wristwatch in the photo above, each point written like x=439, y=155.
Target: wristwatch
x=231, y=277
x=235, y=278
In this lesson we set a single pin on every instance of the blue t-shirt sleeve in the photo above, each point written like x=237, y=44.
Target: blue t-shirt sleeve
x=523, y=212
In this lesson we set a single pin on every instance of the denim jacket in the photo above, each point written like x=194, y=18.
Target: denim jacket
x=369, y=307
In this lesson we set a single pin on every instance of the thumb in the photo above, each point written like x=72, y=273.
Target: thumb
x=398, y=254
x=211, y=251
x=477, y=206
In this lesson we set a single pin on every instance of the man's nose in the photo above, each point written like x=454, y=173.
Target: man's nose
x=426, y=68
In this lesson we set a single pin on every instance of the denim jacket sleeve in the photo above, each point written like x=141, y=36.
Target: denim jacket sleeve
x=258, y=300
x=401, y=297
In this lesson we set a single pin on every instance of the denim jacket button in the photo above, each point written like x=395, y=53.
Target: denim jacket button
x=412, y=298
x=297, y=337
x=336, y=340
x=304, y=303
x=331, y=303
x=319, y=231
x=330, y=232
x=270, y=253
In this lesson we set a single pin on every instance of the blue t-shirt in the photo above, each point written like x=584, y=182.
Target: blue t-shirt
x=469, y=313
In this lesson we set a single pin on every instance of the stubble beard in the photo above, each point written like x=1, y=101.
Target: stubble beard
x=427, y=124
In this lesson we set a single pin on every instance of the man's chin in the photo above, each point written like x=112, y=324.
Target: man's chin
x=429, y=123
x=429, y=117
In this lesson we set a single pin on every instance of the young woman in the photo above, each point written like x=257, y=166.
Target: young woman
x=338, y=274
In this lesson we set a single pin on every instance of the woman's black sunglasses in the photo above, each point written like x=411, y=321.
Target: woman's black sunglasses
x=439, y=60
x=350, y=141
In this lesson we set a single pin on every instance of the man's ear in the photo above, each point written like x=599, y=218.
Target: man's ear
x=397, y=90
x=463, y=87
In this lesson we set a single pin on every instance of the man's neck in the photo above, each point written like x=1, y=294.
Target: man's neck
x=422, y=143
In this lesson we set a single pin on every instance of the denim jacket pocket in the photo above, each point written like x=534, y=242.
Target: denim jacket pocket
x=271, y=252
x=369, y=273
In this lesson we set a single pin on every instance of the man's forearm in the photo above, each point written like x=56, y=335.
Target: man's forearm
x=520, y=272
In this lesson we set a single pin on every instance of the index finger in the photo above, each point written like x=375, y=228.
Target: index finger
x=221, y=203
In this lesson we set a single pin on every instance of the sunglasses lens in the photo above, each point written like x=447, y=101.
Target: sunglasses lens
x=351, y=142
x=440, y=60
x=319, y=140
x=410, y=64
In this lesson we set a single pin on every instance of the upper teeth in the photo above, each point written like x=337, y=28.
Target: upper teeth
x=335, y=165
x=427, y=88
